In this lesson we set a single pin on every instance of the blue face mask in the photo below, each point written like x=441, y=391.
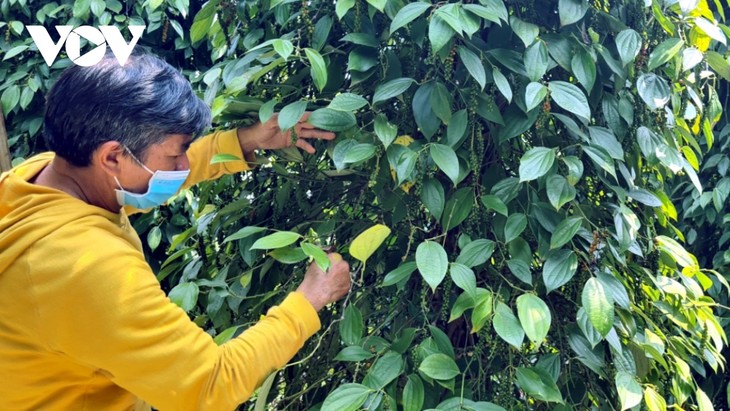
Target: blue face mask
x=162, y=186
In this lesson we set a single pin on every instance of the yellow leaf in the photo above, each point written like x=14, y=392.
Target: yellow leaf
x=404, y=140
x=699, y=39
x=368, y=241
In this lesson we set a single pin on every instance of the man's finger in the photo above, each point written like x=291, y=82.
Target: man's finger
x=316, y=133
x=305, y=146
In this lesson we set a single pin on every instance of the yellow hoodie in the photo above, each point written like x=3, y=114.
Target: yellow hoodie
x=84, y=324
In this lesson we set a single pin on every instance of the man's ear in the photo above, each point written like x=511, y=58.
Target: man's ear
x=110, y=157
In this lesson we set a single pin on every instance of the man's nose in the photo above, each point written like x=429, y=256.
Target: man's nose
x=183, y=163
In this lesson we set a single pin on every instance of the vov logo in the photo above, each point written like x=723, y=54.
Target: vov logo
x=102, y=36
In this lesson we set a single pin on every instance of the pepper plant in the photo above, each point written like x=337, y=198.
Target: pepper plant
x=518, y=185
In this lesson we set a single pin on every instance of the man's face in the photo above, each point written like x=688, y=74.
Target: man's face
x=168, y=155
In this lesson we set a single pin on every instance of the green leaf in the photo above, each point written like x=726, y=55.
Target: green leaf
x=575, y=170
x=284, y=47
x=456, y=130
x=14, y=52
x=482, y=309
x=502, y=84
x=342, y=7
x=346, y=397
x=584, y=69
x=243, y=233
x=664, y=52
x=405, y=164
x=598, y=305
x=185, y=295
x=464, y=278
x=536, y=163
x=507, y=326
x=359, y=152
x=432, y=263
x=154, y=237
x=628, y=43
x=362, y=59
x=331, y=120
x=407, y=14
x=604, y=138
x=353, y=353
x=386, y=369
x=521, y=270
x=385, y=131
x=413, y=394
x=676, y=251
x=718, y=63
x=654, y=90
x=439, y=367
x=457, y=208
x=319, y=256
x=278, y=239
x=559, y=268
x=226, y=335
x=629, y=391
x=340, y=152
x=534, y=316
x=224, y=158
x=492, y=10
x=399, y=274
x=81, y=9
x=527, y=32
x=10, y=98
x=446, y=160
x=565, y=231
x=559, y=191
x=288, y=255
x=495, y=203
x=535, y=93
x=703, y=401
x=473, y=65
x=319, y=69
x=571, y=11
x=515, y=225
x=362, y=39
x=392, y=88
x=440, y=102
x=570, y=98
x=439, y=33
x=378, y=4
x=476, y=252
x=267, y=110
x=600, y=158
x=291, y=114
x=365, y=244
x=536, y=60
x=347, y=102
x=538, y=384
x=432, y=196
x=351, y=326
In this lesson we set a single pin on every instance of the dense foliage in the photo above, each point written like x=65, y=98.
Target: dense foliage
x=522, y=180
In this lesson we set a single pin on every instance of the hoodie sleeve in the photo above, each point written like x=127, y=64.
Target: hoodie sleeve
x=202, y=151
x=115, y=318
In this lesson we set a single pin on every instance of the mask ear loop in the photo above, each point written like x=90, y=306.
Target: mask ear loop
x=137, y=160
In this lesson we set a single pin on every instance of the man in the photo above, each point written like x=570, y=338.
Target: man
x=84, y=324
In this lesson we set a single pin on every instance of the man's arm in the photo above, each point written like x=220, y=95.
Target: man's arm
x=110, y=314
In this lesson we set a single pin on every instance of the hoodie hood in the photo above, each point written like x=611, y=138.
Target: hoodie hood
x=29, y=212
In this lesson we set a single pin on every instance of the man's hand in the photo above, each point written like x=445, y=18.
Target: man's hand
x=322, y=288
x=268, y=136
